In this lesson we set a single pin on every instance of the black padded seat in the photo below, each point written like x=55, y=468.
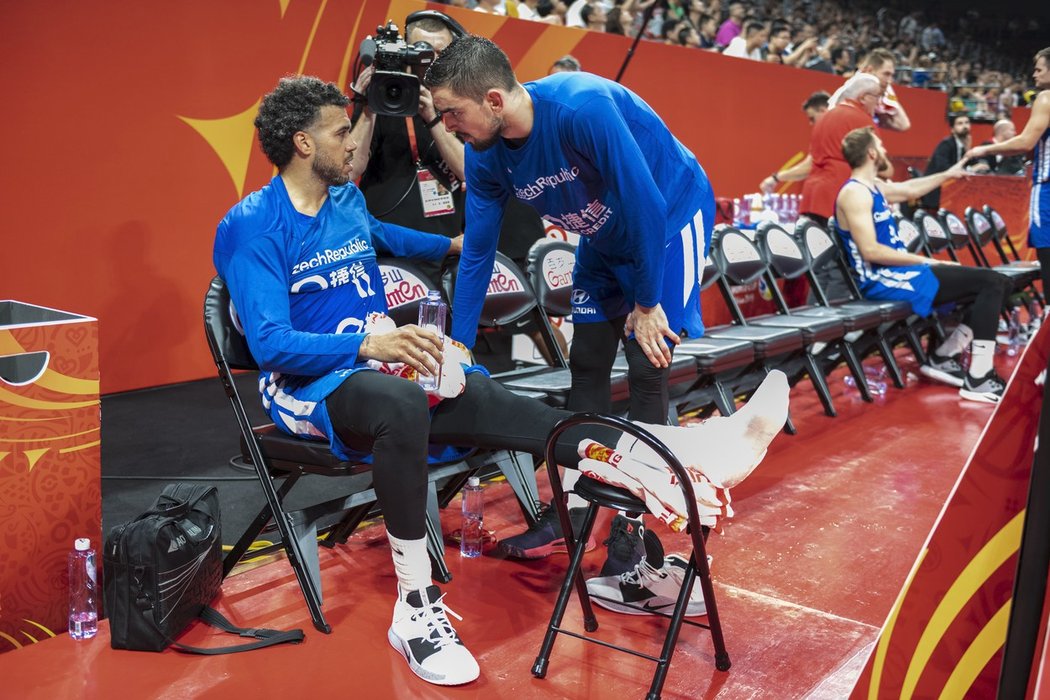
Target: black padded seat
x=555, y=383
x=683, y=369
x=713, y=355
x=814, y=329
x=312, y=456
x=767, y=342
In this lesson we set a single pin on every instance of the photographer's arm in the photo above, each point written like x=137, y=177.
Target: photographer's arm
x=450, y=147
x=364, y=125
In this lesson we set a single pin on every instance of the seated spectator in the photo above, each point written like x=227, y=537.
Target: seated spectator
x=841, y=61
x=593, y=17
x=708, y=30
x=536, y=11
x=491, y=7
x=886, y=270
x=777, y=51
x=750, y=44
x=999, y=164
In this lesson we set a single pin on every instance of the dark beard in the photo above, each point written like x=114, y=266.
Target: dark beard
x=330, y=171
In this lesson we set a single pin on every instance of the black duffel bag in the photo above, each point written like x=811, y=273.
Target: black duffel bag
x=163, y=568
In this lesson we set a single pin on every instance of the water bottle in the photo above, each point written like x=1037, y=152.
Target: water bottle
x=737, y=216
x=432, y=311
x=473, y=519
x=83, y=613
x=1014, y=332
x=876, y=380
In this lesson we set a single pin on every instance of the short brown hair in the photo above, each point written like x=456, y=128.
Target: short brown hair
x=855, y=145
x=877, y=57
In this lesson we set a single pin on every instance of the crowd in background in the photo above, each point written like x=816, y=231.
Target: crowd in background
x=981, y=61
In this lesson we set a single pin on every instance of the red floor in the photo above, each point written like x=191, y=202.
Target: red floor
x=825, y=533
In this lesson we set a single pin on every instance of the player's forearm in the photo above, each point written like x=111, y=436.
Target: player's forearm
x=451, y=150
x=361, y=133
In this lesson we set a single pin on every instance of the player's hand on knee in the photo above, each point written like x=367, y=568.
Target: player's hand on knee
x=649, y=326
x=416, y=347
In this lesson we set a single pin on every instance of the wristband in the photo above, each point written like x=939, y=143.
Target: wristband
x=775, y=178
x=434, y=122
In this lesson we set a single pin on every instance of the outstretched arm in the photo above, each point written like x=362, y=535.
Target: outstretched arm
x=798, y=171
x=917, y=187
x=1024, y=141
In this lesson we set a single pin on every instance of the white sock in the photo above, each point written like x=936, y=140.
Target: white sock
x=956, y=342
x=726, y=449
x=982, y=352
x=411, y=564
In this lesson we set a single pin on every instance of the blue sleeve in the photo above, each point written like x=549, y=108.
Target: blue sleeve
x=600, y=132
x=253, y=264
x=486, y=199
x=401, y=242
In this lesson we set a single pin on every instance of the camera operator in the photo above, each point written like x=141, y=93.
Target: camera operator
x=397, y=188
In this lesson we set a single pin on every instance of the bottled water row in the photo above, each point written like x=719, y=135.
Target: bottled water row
x=753, y=209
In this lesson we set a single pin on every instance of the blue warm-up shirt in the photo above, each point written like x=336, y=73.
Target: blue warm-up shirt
x=599, y=162
x=303, y=287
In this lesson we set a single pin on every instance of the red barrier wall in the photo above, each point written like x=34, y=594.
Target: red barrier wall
x=130, y=136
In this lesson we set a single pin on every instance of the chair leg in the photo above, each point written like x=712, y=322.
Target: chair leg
x=915, y=343
x=572, y=576
x=820, y=384
x=890, y=361
x=520, y=471
x=698, y=564
x=435, y=542
x=724, y=399
x=856, y=368
x=234, y=556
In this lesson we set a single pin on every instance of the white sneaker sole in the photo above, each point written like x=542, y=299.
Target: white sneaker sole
x=401, y=647
x=693, y=609
x=981, y=396
x=940, y=376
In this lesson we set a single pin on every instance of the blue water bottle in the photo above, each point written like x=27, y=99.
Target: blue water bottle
x=83, y=611
x=432, y=312
x=473, y=519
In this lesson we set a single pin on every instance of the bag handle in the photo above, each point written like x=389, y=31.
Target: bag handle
x=266, y=637
x=213, y=618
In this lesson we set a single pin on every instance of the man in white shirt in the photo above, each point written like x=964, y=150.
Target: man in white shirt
x=750, y=44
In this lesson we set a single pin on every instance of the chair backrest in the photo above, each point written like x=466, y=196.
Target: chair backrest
x=998, y=223
x=549, y=268
x=787, y=259
x=404, y=286
x=957, y=233
x=223, y=329
x=909, y=234
x=737, y=257
x=935, y=235
x=509, y=296
x=825, y=253
x=981, y=228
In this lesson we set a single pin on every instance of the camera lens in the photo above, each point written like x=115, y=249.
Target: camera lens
x=393, y=93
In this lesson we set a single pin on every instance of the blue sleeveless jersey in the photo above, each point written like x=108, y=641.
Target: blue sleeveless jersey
x=915, y=284
x=1039, y=211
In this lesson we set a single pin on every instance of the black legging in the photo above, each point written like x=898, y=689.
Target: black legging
x=591, y=359
x=389, y=417
x=992, y=290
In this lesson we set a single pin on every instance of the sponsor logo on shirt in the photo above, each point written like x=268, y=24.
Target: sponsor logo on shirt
x=329, y=256
x=535, y=188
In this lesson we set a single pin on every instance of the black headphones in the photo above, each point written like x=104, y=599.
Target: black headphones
x=453, y=26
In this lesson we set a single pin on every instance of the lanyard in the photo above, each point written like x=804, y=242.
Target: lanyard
x=412, y=140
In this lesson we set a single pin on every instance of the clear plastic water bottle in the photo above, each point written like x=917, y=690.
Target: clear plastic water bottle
x=1013, y=328
x=432, y=312
x=737, y=218
x=83, y=611
x=875, y=377
x=473, y=519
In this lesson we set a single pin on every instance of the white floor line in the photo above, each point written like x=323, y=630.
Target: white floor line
x=788, y=604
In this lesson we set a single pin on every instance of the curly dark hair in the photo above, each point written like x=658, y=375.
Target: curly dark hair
x=471, y=66
x=293, y=105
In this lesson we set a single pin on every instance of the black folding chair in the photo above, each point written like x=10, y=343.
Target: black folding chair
x=599, y=495
x=982, y=232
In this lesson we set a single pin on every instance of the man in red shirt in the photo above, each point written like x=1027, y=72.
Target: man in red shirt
x=830, y=170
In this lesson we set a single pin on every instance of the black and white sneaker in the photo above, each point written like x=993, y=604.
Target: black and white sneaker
x=650, y=588
x=989, y=388
x=624, y=547
x=422, y=634
x=946, y=370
